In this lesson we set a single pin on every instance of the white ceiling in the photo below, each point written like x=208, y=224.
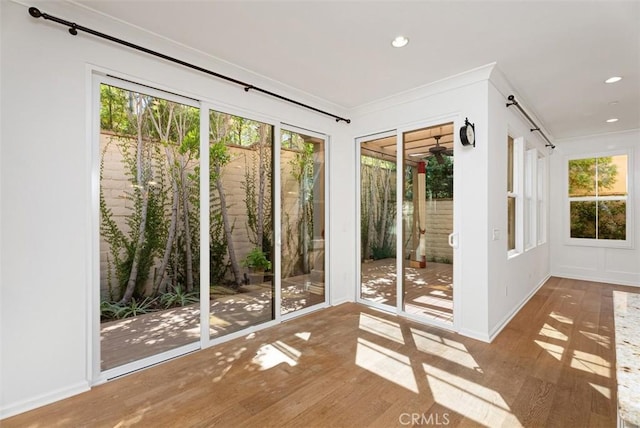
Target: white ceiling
x=556, y=54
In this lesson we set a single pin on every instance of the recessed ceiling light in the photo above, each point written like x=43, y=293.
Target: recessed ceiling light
x=613, y=79
x=399, y=42
x=613, y=119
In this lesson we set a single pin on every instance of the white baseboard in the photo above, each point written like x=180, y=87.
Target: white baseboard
x=614, y=281
x=503, y=323
x=341, y=301
x=473, y=334
x=43, y=400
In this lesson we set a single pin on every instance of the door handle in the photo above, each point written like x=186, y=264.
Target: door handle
x=453, y=240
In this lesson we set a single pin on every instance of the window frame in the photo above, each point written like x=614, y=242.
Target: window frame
x=517, y=194
x=542, y=198
x=627, y=243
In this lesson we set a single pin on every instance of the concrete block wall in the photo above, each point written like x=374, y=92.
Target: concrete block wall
x=116, y=184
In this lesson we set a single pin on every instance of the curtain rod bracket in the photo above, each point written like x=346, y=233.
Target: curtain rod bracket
x=74, y=28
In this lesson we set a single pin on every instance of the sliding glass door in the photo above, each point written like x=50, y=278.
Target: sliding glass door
x=149, y=266
x=406, y=222
x=303, y=224
x=241, y=283
x=378, y=254
x=186, y=220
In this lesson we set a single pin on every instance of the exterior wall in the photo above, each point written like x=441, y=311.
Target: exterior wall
x=116, y=185
x=439, y=226
x=611, y=265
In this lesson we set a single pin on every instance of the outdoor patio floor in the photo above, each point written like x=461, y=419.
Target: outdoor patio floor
x=428, y=291
x=428, y=294
x=131, y=339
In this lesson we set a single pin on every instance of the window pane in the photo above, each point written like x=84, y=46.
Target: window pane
x=511, y=222
x=583, y=219
x=509, y=164
x=149, y=225
x=612, y=220
x=377, y=221
x=303, y=223
x=612, y=176
x=582, y=177
x=241, y=226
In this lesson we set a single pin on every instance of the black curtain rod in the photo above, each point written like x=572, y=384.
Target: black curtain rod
x=513, y=102
x=74, y=28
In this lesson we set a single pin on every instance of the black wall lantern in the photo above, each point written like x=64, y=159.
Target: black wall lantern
x=468, y=133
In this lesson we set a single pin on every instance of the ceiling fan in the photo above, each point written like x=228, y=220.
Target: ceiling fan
x=437, y=151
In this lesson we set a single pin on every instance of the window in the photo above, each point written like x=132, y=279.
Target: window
x=514, y=195
x=530, y=198
x=598, y=194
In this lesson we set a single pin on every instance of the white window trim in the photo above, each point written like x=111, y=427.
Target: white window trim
x=518, y=184
x=630, y=227
x=541, y=201
x=531, y=196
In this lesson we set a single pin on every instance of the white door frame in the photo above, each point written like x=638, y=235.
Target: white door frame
x=359, y=140
x=457, y=121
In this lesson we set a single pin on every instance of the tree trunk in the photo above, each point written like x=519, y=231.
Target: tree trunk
x=133, y=274
x=261, y=185
x=164, y=131
x=235, y=267
x=181, y=122
x=187, y=226
x=384, y=214
x=172, y=225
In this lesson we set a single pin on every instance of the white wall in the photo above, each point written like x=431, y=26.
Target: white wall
x=46, y=191
x=612, y=265
x=511, y=280
x=461, y=96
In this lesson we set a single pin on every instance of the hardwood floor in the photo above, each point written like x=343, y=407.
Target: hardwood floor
x=553, y=365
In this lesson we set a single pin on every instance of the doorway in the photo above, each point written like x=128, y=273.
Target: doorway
x=406, y=219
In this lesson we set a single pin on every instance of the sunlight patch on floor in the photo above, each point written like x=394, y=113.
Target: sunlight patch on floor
x=304, y=335
x=381, y=327
x=606, y=392
x=590, y=363
x=386, y=363
x=549, y=331
x=555, y=351
x=601, y=340
x=272, y=354
x=444, y=348
x=561, y=318
x=483, y=405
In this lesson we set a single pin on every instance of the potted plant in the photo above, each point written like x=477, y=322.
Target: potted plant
x=256, y=261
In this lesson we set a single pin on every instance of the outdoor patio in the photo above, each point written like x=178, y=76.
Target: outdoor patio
x=131, y=339
x=428, y=291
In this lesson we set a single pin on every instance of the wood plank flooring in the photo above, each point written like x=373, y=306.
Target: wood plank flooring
x=351, y=366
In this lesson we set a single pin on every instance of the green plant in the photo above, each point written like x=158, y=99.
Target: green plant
x=115, y=310
x=384, y=252
x=257, y=260
x=178, y=297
